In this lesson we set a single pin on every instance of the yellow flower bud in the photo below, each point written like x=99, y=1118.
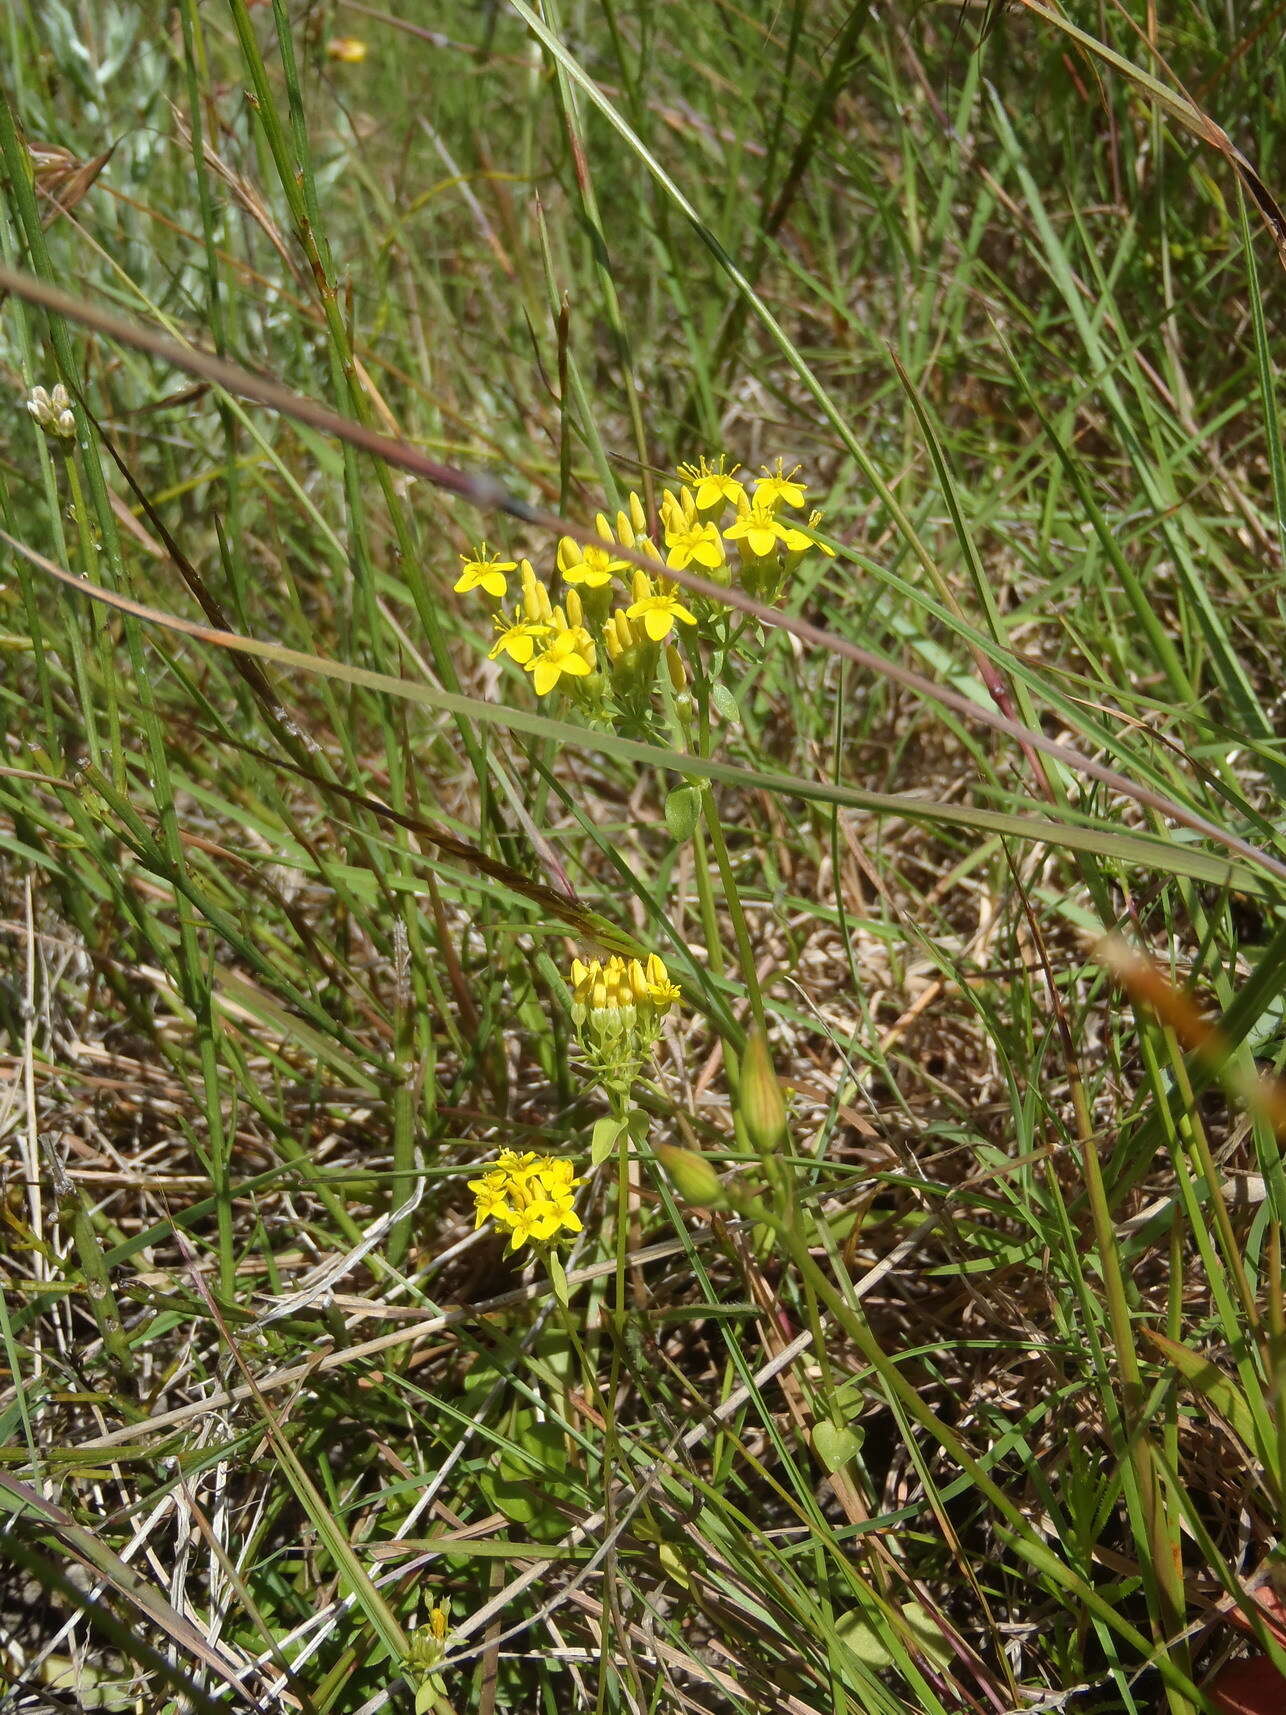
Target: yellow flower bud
x=638, y=981
x=535, y=598
x=618, y=635
x=641, y=585
x=677, y=671
x=575, y=608
x=624, y=530
x=763, y=1106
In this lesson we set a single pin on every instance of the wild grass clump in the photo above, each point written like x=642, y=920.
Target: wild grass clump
x=641, y=871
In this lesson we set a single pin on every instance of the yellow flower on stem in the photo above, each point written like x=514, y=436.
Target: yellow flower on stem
x=631, y=526
x=618, y=1008
x=659, y=613
x=796, y=540
x=591, y=566
x=536, y=605
x=530, y=1195
x=571, y=654
x=757, y=528
x=349, y=50
x=485, y=572
x=712, y=486
x=776, y=488
x=662, y=990
x=517, y=639
x=694, y=542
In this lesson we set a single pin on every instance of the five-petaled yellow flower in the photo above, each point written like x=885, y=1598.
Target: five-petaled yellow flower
x=518, y=639
x=658, y=613
x=712, y=486
x=691, y=542
x=570, y=653
x=775, y=488
x=757, y=528
x=530, y=1195
x=591, y=566
x=485, y=572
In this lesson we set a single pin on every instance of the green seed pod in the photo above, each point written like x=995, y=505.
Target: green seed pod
x=763, y=1106
x=692, y=1176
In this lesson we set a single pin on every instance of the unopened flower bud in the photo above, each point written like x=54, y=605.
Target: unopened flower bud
x=535, y=597
x=692, y=1177
x=763, y=1106
x=616, y=636
x=53, y=411
x=677, y=671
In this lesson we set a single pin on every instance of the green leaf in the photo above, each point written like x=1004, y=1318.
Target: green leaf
x=726, y=704
x=835, y=1443
x=557, y=1277
x=857, y=1631
x=602, y=1140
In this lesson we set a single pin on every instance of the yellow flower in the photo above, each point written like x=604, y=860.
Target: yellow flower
x=617, y=1009
x=658, y=613
x=531, y=1195
x=485, y=572
x=350, y=50
x=797, y=541
x=775, y=488
x=712, y=486
x=694, y=542
x=571, y=653
x=591, y=566
x=662, y=990
x=757, y=528
x=517, y=639
x=622, y=985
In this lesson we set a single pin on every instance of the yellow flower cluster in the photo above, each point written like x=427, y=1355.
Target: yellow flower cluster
x=717, y=523
x=549, y=642
x=529, y=1194
x=617, y=1009
x=768, y=546
x=621, y=986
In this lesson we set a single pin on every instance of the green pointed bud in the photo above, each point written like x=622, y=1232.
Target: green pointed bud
x=692, y=1176
x=763, y=1107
